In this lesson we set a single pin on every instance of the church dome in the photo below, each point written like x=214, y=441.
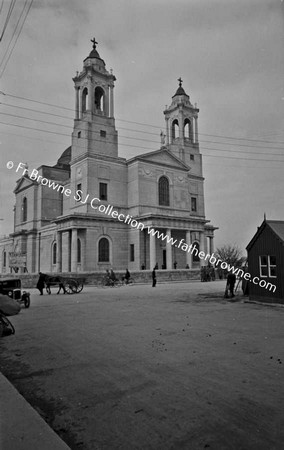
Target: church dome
x=94, y=54
x=180, y=90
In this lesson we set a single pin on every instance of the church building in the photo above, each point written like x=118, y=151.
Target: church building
x=94, y=210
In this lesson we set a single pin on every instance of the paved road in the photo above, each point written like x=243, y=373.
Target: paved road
x=175, y=367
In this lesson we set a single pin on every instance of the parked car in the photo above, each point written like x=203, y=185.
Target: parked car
x=13, y=288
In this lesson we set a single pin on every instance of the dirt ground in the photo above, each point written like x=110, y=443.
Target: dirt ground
x=175, y=367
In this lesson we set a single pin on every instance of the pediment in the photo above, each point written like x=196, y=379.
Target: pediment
x=162, y=157
x=23, y=183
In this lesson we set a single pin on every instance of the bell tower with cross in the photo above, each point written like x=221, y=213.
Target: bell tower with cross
x=94, y=126
x=182, y=129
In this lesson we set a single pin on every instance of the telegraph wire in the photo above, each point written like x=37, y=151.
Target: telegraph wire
x=13, y=34
x=155, y=142
x=140, y=139
x=1, y=7
x=10, y=10
x=140, y=147
x=16, y=40
x=140, y=123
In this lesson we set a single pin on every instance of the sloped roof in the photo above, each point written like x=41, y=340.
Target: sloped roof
x=276, y=226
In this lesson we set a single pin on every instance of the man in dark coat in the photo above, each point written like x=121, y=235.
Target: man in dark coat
x=127, y=276
x=231, y=280
x=154, y=277
x=41, y=282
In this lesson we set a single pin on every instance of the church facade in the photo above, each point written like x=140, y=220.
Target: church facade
x=94, y=210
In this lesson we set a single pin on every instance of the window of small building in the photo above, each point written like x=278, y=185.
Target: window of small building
x=79, y=251
x=263, y=266
x=54, y=253
x=191, y=157
x=25, y=209
x=164, y=191
x=103, y=250
x=103, y=133
x=79, y=134
x=193, y=204
x=103, y=191
x=272, y=266
x=132, y=254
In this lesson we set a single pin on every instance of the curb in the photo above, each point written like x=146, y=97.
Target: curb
x=21, y=427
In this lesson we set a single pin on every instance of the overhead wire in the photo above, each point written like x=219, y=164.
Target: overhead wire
x=12, y=37
x=141, y=123
x=140, y=147
x=16, y=40
x=10, y=10
x=151, y=141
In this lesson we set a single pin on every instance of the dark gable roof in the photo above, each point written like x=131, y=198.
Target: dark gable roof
x=276, y=226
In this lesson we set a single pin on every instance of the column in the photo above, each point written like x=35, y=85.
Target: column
x=181, y=128
x=169, y=251
x=74, y=238
x=58, y=252
x=202, y=248
x=211, y=245
x=152, y=252
x=111, y=106
x=167, y=131
x=90, y=96
x=196, y=130
x=188, y=254
x=76, y=103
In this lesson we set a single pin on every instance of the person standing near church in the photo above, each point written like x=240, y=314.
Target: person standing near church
x=154, y=279
x=41, y=282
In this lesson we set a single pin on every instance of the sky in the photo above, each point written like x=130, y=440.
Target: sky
x=229, y=54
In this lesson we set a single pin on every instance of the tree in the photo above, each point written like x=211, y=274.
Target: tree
x=231, y=254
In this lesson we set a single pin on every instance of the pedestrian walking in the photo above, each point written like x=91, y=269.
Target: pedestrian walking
x=231, y=280
x=127, y=276
x=41, y=282
x=154, y=279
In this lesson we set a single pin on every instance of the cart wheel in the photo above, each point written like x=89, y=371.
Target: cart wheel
x=27, y=302
x=71, y=287
x=79, y=286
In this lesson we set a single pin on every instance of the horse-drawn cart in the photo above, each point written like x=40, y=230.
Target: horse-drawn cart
x=68, y=285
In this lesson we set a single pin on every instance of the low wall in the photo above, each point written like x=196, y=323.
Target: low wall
x=95, y=278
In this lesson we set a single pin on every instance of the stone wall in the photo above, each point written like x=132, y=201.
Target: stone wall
x=95, y=278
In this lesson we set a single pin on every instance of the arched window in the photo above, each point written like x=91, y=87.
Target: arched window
x=103, y=250
x=84, y=99
x=188, y=129
x=99, y=99
x=195, y=257
x=175, y=129
x=164, y=191
x=25, y=209
x=79, y=249
x=54, y=253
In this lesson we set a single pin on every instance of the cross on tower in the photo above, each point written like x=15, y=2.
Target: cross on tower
x=180, y=81
x=94, y=43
